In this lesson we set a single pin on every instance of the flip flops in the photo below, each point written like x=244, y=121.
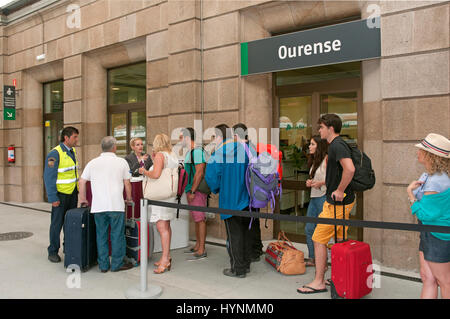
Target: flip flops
x=313, y=291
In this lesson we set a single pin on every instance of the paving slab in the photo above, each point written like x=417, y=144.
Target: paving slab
x=26, y=273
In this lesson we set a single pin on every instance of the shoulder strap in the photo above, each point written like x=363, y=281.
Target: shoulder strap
x=247, y=150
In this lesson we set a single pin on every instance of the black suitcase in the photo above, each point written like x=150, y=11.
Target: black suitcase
x=133, y=239
x=80, y=239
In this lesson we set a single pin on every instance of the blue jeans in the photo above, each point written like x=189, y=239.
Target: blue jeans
x=118, y=243
x=314, y=209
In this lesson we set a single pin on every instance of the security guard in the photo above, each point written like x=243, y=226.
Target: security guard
x=61, y=183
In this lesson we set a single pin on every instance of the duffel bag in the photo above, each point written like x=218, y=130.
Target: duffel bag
x=284, y=257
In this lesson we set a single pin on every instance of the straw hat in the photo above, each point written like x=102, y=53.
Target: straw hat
x=436, y=144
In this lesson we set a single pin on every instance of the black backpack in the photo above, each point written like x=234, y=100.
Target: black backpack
x=364, y=177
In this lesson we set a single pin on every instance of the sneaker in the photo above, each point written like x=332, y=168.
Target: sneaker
x=197, y=256
x=230, y=273
x=189, y=251
x=54, y=258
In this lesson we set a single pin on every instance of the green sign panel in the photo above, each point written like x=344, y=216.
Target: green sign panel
x=9, y=114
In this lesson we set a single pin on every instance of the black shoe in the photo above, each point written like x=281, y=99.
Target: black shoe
x=124, y=267
x=104, y=271
x=54, y=258
x=255, y=259
x=228, y=272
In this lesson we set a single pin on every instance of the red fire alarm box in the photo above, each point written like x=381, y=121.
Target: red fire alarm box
x=11, y=154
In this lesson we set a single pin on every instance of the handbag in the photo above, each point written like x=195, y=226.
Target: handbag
x=166, y=186
x=284, y=257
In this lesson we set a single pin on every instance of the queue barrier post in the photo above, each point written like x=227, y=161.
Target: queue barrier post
x=144, y=291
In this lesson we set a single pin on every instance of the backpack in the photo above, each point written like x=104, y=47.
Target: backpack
x=203, y=186
x=182, y=183
x=364, y=177
x=262, y=181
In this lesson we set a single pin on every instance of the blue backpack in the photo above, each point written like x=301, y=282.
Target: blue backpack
x=262, y=181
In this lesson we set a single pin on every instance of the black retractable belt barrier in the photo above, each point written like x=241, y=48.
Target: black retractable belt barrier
x=312, y=220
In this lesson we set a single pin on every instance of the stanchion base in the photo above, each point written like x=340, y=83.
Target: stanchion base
x=152, y=292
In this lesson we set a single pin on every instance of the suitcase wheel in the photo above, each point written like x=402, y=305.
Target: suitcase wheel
x=334, y=294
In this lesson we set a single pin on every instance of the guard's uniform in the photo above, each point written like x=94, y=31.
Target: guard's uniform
x=61, y=184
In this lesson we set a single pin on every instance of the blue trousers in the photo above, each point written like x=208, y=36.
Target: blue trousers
x=66, y=202
x=314, y=209
x=118, y=243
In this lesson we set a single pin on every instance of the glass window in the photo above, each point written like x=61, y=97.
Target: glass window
x=53, y=97
x=295, y=131
x=345, y=105
x=53, y=114
x=127, y=108
x=127, y=84
x=319, y=73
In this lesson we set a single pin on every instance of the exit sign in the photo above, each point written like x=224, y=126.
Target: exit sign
x=9, y=114
x=9, y=102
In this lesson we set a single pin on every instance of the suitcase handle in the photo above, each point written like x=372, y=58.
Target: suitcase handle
x=335, y=217
x=128, y=204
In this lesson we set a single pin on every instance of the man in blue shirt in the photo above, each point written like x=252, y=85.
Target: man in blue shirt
x=63, y=194
x=225, y=173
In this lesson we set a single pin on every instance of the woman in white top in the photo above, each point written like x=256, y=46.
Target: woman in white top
x=163, y=157
x=317, y=162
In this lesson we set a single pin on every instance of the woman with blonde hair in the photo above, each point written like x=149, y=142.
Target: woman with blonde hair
x=163, y=157
x=430, y=202
x=137, y=158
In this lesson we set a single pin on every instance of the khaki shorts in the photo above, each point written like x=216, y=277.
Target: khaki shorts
x=324, y=233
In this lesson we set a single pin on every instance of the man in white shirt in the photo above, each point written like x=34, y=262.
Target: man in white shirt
x=108, y=175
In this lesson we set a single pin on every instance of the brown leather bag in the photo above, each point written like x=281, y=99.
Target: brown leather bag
x=284, y=257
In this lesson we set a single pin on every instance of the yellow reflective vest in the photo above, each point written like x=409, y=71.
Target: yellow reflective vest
x=67, y=178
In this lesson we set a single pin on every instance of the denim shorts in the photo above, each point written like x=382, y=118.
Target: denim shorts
x=434, y=249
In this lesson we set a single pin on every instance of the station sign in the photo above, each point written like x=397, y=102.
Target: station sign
x=339, y=43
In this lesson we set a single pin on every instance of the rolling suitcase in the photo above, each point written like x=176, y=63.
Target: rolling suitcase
x=351, y=268
x=80, y=246
x=133, y=239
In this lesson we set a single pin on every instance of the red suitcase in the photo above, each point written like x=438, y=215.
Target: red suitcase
x=351, y=268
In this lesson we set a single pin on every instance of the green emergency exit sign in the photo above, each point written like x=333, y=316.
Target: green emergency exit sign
x=9, y=114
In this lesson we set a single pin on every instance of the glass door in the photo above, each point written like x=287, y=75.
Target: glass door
x=126, y=125
x=119, y=132
x=302, y=96
x=295, y=132
x=53, y=117
x=345, y=105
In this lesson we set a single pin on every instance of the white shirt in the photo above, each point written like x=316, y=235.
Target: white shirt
x=319, y=176
x=107, y=173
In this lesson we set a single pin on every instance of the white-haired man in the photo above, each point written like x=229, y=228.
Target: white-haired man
x=108, y=175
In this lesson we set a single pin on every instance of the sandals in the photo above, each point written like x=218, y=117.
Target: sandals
x=162, y=269
x=312, y=290
x=156, y=264
x=310, y=262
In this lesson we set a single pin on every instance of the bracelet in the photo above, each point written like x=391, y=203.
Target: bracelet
x=412, y=201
